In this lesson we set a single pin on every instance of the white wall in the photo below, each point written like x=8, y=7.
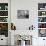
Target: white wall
x=22, y=25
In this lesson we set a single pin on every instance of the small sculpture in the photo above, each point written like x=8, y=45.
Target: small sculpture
x=13, y=27
x=31, y=27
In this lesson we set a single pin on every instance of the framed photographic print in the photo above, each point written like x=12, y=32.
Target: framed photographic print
x=23, y=14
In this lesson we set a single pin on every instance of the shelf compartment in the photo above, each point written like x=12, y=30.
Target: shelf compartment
x=4, y=32
x=3, y=13
x=3, y=26
x=41, y=13
x=42, y=32
x=41, y=25
x=41, y=19
x=3, y=6
x=41, y=6
x=3, y=19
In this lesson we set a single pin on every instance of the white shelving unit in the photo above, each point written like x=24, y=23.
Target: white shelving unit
x=42, y=18
x=4, y=23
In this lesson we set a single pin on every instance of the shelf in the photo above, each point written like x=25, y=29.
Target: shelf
x=3, y=16
x=41, y=10
x=3, y=22
x=42, y=16
x=41, y=22
x=41, y=28
x=3, y=10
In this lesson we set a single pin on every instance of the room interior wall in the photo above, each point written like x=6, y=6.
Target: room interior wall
x=23, y=24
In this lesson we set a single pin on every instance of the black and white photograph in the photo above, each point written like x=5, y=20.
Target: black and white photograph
x=23, y=14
